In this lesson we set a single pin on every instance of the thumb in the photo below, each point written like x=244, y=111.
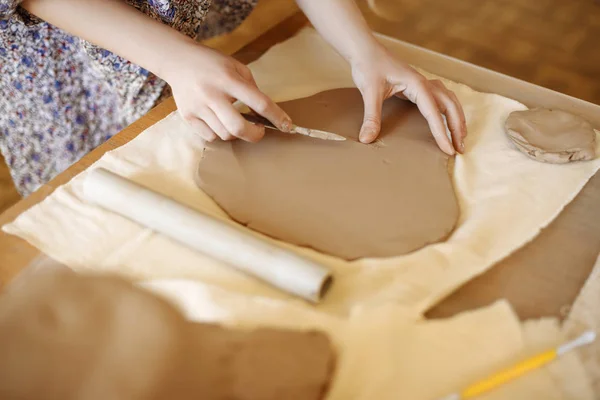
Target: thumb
x=372, y=119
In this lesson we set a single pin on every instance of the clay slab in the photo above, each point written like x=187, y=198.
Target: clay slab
x=346, y=199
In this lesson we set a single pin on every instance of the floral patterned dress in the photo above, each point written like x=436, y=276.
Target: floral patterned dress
x=61, y=96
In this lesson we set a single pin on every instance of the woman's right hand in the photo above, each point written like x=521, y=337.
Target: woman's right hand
x=205, y=85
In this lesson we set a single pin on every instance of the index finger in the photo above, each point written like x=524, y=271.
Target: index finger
x=251, y=96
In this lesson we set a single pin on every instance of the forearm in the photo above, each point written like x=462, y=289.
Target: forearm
x=117, y=27
x=342, y=25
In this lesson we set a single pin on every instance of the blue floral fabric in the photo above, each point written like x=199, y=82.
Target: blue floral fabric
x=61, y=96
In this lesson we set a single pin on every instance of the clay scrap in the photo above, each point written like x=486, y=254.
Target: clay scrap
x=345, y=199
x=551, y=136
x=68, y=336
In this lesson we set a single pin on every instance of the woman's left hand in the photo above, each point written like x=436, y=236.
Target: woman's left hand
x=380, y=76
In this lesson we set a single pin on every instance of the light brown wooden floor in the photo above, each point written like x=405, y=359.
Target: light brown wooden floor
x=552, y=43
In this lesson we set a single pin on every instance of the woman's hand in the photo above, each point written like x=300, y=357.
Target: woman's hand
x=205, y=83
x=379, y=76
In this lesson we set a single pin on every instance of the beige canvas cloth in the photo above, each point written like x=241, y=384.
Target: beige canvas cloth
x=373, y=311
x=384, y=353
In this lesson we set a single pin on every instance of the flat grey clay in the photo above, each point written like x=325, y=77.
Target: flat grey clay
x=552, y=136
x=346, y=199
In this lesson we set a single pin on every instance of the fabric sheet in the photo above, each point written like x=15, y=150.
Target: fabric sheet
x=373, y=311
x=383, y=353
x=505, y=199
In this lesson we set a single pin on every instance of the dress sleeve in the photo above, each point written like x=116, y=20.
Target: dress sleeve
x=10, y=9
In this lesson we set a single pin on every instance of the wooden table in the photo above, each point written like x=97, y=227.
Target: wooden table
x=533, y=285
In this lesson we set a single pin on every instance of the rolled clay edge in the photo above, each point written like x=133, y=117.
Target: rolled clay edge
x=563, y=157
x=211, y=236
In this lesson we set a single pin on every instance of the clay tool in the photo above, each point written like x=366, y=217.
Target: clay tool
x=520, y=369
x=315, y=133
x=212, y=236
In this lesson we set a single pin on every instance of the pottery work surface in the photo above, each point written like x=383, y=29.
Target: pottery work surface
x=504, y=199
x=552, y=136
x=346, y=199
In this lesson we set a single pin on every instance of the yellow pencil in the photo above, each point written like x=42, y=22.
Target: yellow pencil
x=535, y=362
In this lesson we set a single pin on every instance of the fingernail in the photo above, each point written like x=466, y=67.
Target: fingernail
x=462, y=146
x=364, y=137
x=286, y=126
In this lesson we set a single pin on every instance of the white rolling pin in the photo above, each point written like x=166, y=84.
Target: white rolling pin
x=208, y=235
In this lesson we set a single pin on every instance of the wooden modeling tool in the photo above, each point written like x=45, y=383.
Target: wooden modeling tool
x=520, y=369
x=314, y=133
x=214, y=237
